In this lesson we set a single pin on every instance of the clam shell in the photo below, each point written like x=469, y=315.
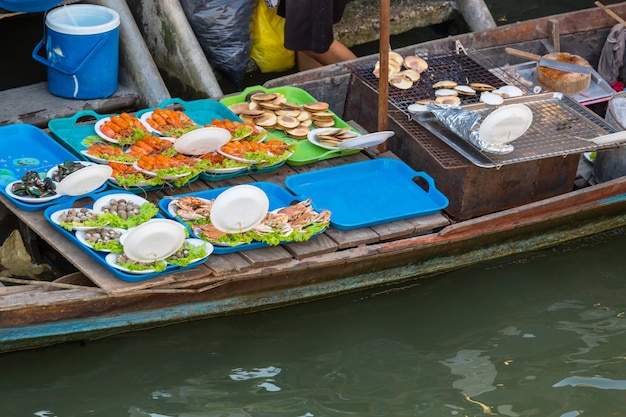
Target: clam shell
x=490, y=98
x=446, y=92
x=449, y=100
x=417, y=108
x=238, y=108
x=266, y=120
x=415, y=63
x=323, y=123
x=447, y=84
x=465, y=89
x=287, y=122
x=316, y=106
x=411, y=74
x=401, y=82
x=262, y=97
x=482, y=87
x=395, y=58
x=299, y=132
x=508, y=91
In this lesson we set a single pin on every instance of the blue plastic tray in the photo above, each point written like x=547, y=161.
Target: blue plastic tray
x=99, y=256
x=368, y=193
x=277, y=195
x=24, y=148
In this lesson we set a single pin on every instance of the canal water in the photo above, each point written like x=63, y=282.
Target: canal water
x=534, y=335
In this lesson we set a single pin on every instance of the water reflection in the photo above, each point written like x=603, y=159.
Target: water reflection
x=535, y=335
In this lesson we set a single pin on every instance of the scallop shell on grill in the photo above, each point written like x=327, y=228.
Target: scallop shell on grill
x=402, y=82
x=446, y=92
x=448, y=100
x=415, y=63
x=490, y=98
x=482, y=87
x=465, y=90
x=411, y=74
x=447, y=84
x=396, y=58
x=508, y=91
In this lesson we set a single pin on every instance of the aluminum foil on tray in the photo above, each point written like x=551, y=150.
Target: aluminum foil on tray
x=460, y=121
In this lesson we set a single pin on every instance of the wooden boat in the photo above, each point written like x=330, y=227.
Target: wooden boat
x=494, y=212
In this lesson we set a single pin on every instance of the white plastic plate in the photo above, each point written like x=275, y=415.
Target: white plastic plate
x=84, y=180
x=505, y=124
x=111, y=260
x=201, y=141
x=365, y=141
x=239, y=208
x=153, y=240
x=28, y=199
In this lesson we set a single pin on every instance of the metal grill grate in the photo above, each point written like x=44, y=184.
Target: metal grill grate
x=561, y=126
x=461, y=68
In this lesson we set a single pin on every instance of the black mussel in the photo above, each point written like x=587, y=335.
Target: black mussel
x=32, y=185
x=65, y=169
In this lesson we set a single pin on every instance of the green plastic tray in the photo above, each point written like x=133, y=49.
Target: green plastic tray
x=306, y=152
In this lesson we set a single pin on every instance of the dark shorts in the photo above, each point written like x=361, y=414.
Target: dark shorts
x=309, y=23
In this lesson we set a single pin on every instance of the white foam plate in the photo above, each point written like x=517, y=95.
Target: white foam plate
x=201, y=141
x=112, y=257
x=225, y=170
x=171, y=207
x=54, y=217
x=28, y=199
x=154, y=174
x=98, y=128
x=144, y=119
x=105, y=200
x=239, y=208
x=365, y=141
x=84, y=180
x=80, y=236
x=505, y=124
x=311, y=136
x=155, y=239
x=238, y=159
x=54, y=170
x=98, y=160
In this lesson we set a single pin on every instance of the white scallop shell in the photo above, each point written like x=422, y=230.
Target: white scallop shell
x=490, y=98
x=465, y=89
x=417, y=108
x=508, y=91
x=446, y=92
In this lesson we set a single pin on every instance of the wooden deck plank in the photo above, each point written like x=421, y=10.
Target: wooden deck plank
x=266, y=256
x=352, y=238
x=320, y=245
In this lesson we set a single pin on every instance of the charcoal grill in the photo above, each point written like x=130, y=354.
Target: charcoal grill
x=459, y=67
x=561, y=126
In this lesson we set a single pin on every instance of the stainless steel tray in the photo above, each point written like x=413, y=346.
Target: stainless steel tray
x=599, y=90
x=561, y=126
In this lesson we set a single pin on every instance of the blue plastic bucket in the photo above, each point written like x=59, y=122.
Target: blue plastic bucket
x=82, y=51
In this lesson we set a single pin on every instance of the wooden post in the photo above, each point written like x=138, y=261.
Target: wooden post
x=383, y=81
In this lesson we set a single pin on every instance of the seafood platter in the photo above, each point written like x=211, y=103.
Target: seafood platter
x=40, y=172
x=246, y=216
x=126, y=234
x=166, y=146
x=290, y=114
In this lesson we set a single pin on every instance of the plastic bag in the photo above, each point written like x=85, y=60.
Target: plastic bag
x=222, y=28
x=268, y=37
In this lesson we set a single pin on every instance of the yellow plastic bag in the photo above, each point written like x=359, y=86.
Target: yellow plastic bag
x=268, y=36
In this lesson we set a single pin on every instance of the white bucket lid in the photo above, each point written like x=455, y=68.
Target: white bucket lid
x=82, y=19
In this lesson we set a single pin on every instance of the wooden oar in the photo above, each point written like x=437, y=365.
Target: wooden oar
x=610, y=13
x=383, y=81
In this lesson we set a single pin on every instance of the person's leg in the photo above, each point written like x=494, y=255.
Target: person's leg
x=337, y=52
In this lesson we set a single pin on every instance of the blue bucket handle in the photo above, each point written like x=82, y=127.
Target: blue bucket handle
x=59, y=68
